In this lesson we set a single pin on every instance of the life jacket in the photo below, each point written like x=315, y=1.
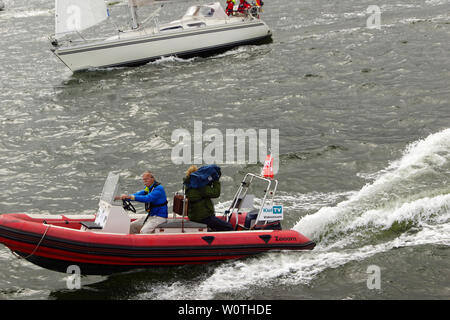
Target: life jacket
x=243, y=5
x=230, y=7
x=149, y=205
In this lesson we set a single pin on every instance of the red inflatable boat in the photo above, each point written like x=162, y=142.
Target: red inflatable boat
x=101, y=244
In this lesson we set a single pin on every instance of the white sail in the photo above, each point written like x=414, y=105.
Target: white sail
x=76, y=15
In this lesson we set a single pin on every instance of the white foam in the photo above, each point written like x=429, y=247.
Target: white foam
x=170, y=59
x=434, y=150
x=283, y=268
x=419, y=212
x=419, y=158
x=232, y=52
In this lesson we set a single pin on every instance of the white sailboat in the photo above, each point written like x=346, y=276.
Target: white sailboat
x=203, y=29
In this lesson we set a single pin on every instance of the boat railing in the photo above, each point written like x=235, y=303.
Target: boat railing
x=152, y=17
x=57, y=42
x=241, y=193
x=251, y=13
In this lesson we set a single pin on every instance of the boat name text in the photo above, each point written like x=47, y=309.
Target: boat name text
x=277, y=238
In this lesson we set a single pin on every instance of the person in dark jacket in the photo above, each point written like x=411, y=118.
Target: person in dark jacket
x=155, y=199
x=201, y=207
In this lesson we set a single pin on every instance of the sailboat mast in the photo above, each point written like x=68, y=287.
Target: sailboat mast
x=134, y=18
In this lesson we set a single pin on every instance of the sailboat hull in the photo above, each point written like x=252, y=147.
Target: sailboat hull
x=137, y=47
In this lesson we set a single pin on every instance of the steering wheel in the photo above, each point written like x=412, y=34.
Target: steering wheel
x=126, y=204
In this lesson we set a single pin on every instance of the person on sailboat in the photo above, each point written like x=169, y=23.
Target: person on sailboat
x=243, y=6
x=230, y=7
x=257, y=8
x=155, y=199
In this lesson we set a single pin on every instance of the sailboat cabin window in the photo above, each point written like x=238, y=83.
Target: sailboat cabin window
x=172, y=28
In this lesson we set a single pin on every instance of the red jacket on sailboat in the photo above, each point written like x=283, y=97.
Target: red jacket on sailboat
x=230, y=6
x=243, y=6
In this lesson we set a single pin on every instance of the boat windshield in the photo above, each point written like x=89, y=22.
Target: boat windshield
x=110, y=188
x=213, y=10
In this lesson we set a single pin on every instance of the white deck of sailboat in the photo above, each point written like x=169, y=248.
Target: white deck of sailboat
x=179, y=26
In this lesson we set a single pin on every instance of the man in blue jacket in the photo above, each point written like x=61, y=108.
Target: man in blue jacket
x=155, y=199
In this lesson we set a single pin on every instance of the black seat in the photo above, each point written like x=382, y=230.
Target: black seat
x=90, y=225
x=252, y=215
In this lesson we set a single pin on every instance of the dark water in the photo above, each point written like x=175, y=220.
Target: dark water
x=364, y=140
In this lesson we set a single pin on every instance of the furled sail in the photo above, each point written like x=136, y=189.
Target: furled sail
x=77, y=15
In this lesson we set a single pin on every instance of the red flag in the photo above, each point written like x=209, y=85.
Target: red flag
x=268, y=167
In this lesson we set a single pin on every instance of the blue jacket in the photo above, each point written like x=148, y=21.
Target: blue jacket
x=156, y=197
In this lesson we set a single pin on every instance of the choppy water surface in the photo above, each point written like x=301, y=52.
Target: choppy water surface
x=363, y=117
